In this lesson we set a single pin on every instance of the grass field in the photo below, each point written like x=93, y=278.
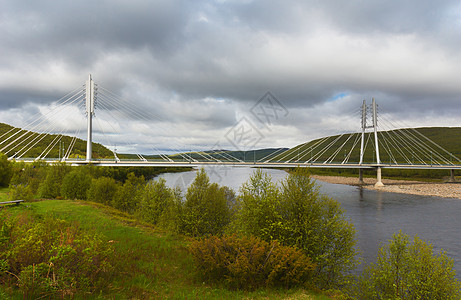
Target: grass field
x=4, y=193
x=151, y=263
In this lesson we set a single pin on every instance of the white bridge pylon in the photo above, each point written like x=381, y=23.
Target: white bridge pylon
x=90, y=98
x=374, y=126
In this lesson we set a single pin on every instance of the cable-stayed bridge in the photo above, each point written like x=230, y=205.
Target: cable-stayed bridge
x=371, y=147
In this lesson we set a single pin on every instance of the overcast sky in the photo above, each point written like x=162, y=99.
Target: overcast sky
x=202, y=69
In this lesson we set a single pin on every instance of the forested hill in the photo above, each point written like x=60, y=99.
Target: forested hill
x=449, y=138
x=79, y=150
x=248, y=155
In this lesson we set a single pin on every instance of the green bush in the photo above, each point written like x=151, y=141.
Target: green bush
x=258, y=211
x=102, y=190
x=20, y=192
x=75, y=185
x=6, y=170
x=51, y=186
x=26, y=179
x=126, y=197
x=409, y=270
x=156, y=199
x=205, y=211
x=249, y=262
x=296, y=214
x=317, y=224
x=50, y=257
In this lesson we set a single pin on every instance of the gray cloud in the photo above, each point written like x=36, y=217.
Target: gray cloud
x=405, y=16
x=201, y=65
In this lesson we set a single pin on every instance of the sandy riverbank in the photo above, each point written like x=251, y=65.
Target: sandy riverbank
x=445, y=190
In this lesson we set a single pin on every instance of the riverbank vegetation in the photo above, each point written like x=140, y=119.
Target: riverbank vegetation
x=408, y=270
x=129, y=237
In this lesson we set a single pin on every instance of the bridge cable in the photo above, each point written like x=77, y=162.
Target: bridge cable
x=25, y=128
x=145, y=117
x=134, y=112
x=60, y=108
x=36, y=114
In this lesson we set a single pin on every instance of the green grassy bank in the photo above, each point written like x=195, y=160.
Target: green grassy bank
x=148, y=264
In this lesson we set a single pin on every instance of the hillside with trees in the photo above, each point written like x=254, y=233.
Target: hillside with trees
x=400, y=145
x=38, y=143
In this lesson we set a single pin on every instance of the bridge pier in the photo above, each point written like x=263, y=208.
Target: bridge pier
x=378, y=183
x=361, y=177
x=452, y=176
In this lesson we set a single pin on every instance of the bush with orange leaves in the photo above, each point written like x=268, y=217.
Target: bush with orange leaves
x=249, y=262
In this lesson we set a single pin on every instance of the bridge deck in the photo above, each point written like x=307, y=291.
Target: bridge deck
x=138, y=163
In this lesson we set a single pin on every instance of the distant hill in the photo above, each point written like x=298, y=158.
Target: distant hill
x=222, y=155
x=249, y=156
x=320, y=150
x=8, y=134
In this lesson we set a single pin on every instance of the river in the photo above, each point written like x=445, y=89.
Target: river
x=376, y=215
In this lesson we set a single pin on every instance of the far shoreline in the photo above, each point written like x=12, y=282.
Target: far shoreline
x=443, y=190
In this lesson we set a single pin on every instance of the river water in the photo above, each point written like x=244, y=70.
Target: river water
x=376, y=215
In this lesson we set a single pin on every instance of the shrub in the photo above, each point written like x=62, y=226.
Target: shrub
x=26, y=179
x=20, y=192
x=6, y=170
x=76, y=184
x=296, y=214
x=409, y=270
x=258, y=211
x=155, y=199
x=317, y=224
x=249, y=262
x=172, y=213
x=50, y=257
x=205, y=210
x=51, y=186
x=102, y=190
x=126, y=197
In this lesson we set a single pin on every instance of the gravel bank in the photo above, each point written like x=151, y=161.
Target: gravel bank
x=445, y=190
